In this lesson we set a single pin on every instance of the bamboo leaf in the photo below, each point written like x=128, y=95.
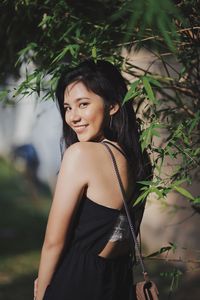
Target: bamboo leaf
x=184, y=192
x=196, y=200
x=132, y=91
x=3, y=95
x=141, y=198
x=94, y=53
x=60, y=55
x=148, y=89
x=160, y=251
x=154, y=81
x=145, y=182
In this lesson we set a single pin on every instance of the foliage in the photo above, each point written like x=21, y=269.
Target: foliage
x=61, y=33
x=57, y=34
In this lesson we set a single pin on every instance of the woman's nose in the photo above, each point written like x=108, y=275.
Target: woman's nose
x=74, y=115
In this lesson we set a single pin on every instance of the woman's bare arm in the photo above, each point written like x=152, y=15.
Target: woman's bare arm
x=69, y=189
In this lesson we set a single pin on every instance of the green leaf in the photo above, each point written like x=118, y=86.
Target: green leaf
x=145, y=182
x=157, y=191
x=3, y=95
x=148, y=133
x=141, y=197
x=160, y=251
x=155, y=133
x=178, y=182
x=148, y=89
x=196, y=200
x=163, y=29
x=132, y=91
x=72, y=48
x=94, y=53
x=60, y=55
x=154, y=81
x=184, y=192
x=194, y=122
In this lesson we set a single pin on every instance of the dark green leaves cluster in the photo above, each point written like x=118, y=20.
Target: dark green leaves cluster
x=152, y=18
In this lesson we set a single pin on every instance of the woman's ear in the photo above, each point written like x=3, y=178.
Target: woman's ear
x=114, y=109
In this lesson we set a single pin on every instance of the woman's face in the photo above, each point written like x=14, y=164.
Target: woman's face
x=84, y=112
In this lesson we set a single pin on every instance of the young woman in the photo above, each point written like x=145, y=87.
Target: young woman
x=87, y=247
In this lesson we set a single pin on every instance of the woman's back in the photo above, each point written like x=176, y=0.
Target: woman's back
x=104, y=189
x=103, y=186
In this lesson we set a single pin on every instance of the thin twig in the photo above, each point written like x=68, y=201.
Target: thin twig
x=182, y=221
x=178, y=260
x=155, y=37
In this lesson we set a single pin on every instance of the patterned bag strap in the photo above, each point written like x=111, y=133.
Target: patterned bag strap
x=145, y=274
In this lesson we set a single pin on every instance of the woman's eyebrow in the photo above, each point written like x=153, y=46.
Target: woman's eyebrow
x=78, y=99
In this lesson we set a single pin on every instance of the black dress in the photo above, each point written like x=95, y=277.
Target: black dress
x=82, y=274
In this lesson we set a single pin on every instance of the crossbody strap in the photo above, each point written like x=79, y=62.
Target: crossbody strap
x=127, y=211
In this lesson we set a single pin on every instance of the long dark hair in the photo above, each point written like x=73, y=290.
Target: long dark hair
x=104, y=79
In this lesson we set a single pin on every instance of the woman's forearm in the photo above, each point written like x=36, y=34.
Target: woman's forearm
x=49, y=259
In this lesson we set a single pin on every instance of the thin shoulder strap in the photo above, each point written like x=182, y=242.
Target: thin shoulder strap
x=127, y=211
x=116, y=147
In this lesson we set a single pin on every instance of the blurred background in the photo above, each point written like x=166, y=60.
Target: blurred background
x=156, y=46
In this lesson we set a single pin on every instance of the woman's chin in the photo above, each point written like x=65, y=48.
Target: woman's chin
x=96, y=139
x=83, y=138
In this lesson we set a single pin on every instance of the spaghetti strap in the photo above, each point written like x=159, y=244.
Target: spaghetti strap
x=116, y=147
x=117, y=170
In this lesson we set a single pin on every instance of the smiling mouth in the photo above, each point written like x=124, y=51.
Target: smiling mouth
x=80, y=128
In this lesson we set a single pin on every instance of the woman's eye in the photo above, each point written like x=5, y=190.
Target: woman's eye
x=84, y=104
x=67, y=108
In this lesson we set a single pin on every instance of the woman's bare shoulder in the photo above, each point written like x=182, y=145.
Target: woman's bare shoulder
x=83, y=152
x=82, y=147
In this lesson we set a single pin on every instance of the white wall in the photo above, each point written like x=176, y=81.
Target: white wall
x=30, y=120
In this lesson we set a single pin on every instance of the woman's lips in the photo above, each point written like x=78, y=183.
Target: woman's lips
x=80, y=129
